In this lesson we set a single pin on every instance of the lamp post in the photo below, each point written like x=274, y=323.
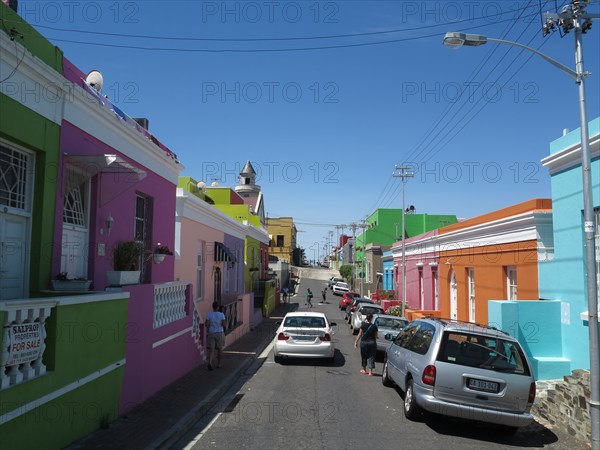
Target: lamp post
x=572, y=17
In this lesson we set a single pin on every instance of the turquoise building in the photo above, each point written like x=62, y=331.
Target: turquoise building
x=555, y=330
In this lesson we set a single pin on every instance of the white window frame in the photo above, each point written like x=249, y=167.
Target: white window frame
x=597, y=240
x=436, y=290
x=511, y=283
x=421, y=289
x=471, y=284
x=200, y=271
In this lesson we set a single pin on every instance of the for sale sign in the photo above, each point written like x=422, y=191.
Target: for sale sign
x=25, y=343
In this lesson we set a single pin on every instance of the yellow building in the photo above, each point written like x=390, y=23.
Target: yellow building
x=282, y=233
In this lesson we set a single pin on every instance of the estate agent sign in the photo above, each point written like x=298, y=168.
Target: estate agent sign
x=24, y=343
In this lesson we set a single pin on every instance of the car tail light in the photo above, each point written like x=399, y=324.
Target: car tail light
x=429, y=375
x=326, y=337
x=282, y=337
x=531, y=397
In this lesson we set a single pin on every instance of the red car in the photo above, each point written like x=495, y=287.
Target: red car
x=347, y=299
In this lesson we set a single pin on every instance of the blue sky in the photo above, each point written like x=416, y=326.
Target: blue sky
x=326, y=97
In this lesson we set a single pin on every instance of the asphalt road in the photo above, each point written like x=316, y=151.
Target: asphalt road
x=308, y=404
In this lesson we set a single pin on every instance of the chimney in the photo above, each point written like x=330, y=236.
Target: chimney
x=142, y=121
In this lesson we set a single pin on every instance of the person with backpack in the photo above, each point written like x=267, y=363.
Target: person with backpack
x=367, y=335
x=309, y=296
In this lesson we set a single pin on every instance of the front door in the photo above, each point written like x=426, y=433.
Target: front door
x=453, y=297
x=16, y=181
x=13, y=236
x=218, y=285
x=75, y=227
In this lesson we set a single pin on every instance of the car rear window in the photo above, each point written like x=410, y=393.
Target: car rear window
x=304, y=322
x=484, y=352
x=370, y=310
x=394, y=324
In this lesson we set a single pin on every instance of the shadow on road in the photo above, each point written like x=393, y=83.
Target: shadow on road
x=338, y=361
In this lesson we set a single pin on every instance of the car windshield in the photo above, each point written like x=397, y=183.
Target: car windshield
x=304, y=322
x=484, y=352
x=389, y=322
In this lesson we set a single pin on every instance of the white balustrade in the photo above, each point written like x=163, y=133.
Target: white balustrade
x=169, y=302
x=23, y=340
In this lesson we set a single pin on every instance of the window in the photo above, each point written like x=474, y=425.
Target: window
x=15, y=169
x=280, y=240
x=471, y=281
x=200, y=271
x=403, y=339
x=143, y=232
x=421, y=340
x=511, y=283
x=421, y=289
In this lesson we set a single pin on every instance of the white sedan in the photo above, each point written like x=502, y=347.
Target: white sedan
x=340, y=287
x=304, y=335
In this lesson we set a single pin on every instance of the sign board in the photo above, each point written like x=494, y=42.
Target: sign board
x=24, y=343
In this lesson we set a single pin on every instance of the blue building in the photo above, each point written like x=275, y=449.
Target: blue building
x=554, y=330
x=388, y=271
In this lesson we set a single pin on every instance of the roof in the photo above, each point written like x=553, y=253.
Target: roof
x=305, y=314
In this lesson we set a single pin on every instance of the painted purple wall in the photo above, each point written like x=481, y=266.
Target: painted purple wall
x=115, y=195
x=148, y=369
x=234, y=244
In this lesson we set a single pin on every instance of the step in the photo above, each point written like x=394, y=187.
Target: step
x=550, y=367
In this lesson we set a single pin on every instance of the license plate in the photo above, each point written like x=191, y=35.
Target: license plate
x=481, y=385
x=304, y=338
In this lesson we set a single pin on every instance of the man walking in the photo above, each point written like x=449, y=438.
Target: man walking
x=309, y=296
x=215, y=323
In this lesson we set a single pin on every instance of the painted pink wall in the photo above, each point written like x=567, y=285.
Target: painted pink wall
x=185, y=266
x=412, y=274
x=115, y=194
x=148, y=370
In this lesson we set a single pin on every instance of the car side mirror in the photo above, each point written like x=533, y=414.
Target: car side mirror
x=332, y=324
x=389, y=337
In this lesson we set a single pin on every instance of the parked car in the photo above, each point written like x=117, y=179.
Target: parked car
x=387, y=325
x=334, y=280
x=462, y=370
x=340, y=288
x=352, y=307
x=304, y=335
x=360, y=314
x=347, y=298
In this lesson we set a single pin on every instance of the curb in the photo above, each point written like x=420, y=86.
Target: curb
x=187, y=422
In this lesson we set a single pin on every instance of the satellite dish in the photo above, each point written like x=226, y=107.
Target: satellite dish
x=95, y=80
x=201, y=186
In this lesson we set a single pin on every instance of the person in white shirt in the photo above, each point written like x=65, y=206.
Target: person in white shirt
x=215, y=323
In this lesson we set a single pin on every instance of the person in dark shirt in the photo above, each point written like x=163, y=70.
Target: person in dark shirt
x=367, y=335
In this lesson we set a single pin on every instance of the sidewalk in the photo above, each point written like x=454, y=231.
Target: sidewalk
x=166, y=416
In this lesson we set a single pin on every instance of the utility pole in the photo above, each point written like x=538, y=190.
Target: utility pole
x=363, y=226
x=404, y=173
x=353, y=227
x=574, y=17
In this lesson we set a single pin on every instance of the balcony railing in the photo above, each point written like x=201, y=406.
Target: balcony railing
x=231, y=316
x=169, y=302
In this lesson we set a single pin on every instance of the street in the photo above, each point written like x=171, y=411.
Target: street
x=309, y=404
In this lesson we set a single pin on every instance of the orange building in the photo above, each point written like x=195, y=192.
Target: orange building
x=493, y=257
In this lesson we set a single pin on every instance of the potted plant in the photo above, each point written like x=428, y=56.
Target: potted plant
x=64, y=283
x=159, y=253
x=126, y=263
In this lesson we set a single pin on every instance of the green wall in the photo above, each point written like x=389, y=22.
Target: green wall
x=81, y=340
x=25, y=127
x=33, y=41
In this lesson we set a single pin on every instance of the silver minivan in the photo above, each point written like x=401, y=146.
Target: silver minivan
x=461, y=370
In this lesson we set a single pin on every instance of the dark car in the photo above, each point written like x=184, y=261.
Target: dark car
x=347, y=298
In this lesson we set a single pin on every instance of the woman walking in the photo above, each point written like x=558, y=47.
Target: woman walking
x=367, y=335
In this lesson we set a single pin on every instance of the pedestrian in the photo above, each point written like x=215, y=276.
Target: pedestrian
x=324, y=294
x=215, y=323
x=367, y=335
x=286, y=295
x=309, y=296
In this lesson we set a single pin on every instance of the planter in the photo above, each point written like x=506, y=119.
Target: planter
x=123, y=277
x=71, y=285
x=158, y=257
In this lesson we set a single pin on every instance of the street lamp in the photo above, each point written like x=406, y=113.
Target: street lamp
x=572, y=15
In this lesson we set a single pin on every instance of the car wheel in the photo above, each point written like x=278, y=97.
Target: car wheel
x=411, y=409
x=385, y=379
x=277, y=359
